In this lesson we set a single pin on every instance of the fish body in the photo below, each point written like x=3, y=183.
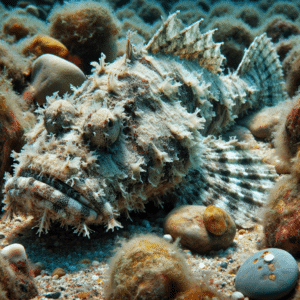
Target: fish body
x=143, y=128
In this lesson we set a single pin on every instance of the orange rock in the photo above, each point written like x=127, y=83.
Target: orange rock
x=83, y=295
x=216, y=220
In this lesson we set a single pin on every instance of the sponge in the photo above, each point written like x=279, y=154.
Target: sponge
x=147, y=268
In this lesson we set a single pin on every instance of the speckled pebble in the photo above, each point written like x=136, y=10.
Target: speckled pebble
x=259, y=279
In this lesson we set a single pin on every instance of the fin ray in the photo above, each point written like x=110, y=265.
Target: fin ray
x=189, y=43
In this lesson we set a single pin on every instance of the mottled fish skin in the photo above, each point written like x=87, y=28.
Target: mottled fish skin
x=136, y=131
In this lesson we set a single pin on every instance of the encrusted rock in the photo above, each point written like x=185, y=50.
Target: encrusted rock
x=201, y=229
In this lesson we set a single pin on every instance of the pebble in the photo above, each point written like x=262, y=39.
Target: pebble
x=54, y=295
x=224, y=264
x=200, y=228
x=95, y=263
x=237, y=296
x=263, y=123
x=14, y=253
x=268, y=274
x=201, y=265
x=269, y=257
x=32, y=9
x=51, y=73
x=59, y=272
x=168, y=238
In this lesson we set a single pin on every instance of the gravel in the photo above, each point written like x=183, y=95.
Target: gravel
x=86, y=260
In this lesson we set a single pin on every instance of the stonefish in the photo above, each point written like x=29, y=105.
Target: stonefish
x=143, y=128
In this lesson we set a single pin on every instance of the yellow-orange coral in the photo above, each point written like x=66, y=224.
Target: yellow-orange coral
x=215, y=220
x=42, y=44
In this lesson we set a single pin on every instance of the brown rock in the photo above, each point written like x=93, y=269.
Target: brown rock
x=263, y=123
x=187, y=222
x=59, y=272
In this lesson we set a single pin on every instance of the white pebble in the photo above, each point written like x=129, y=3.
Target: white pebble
x=14, y=253
x=269, y=257
x=201, y=265
x=95, y=263
x=237, y=296
x=168, y=238
x=95, y=277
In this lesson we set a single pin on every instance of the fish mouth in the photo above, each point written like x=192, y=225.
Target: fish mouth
x=49, y=198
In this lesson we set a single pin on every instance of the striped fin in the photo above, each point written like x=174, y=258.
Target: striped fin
x=260, y=67
x=231, y=177
x=187, y=42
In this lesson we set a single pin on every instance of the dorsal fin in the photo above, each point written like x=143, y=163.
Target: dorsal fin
x=187, y=42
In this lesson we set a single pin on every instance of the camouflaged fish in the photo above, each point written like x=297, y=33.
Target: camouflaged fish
x=142, y=128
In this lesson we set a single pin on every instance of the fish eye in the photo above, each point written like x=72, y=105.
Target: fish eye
x=102, y=128
x=59, y=115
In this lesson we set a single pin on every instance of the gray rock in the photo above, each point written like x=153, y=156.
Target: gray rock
x=260, y=278
x=54, y=295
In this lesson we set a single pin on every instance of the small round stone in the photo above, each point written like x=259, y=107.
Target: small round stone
x=269, y=257
x=261, y=279
x=168, y=238
x=187, y=223
x=59, y=272
x=237, y=296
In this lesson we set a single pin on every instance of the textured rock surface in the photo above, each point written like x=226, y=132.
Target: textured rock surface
x=147, y=144
x=281, y=216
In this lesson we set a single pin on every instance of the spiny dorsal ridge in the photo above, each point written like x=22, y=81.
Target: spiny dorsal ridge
x=187, y=42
